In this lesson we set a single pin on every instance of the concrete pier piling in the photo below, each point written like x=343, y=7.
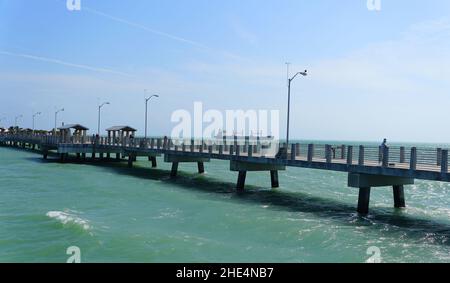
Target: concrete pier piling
x=363, y=200
x=366, y=181
x=399, y=196
x=274, y=179
x=174, y=171
x=241, y=180
x=201, y=167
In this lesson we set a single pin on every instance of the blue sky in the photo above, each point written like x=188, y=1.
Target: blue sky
x=373, y=74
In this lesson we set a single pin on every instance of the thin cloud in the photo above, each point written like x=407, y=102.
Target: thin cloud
x=64, y=63
x=140, y=26
x=161, y=33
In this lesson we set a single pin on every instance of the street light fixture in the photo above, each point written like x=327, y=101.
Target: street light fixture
x=146, y=108
x=56, y=117
x=99, y=108
x=304, y=73
x=34, y=116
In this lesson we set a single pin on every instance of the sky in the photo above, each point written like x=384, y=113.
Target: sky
x=372, y=73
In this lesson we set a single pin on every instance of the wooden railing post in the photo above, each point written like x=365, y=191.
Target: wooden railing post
x=444, y=161
x=413, y=161
x=328, y=153
x=293, y=152
x=310, y=152
x=343, y=151
x=158, y=143
x=350, y=155
x=438, y=156
x=297, y=149
x=152, y=143
x=402, y=154
x=238, y=150
x=361, y=156
x=250, y=150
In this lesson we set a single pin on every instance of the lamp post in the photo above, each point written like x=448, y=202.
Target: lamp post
x=146, y=108
x=56, y=118
x=34, y=116
x=305, y=73
x=99, y=110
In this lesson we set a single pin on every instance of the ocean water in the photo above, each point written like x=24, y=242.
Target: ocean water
x=116, y=214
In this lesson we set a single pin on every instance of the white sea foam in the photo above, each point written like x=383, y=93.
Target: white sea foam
x=68, y=218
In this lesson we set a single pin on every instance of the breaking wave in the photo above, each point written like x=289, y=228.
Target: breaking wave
x=68, y=218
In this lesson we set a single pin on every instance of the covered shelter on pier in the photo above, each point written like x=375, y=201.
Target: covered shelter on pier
x=117, y=133
x=79, y=131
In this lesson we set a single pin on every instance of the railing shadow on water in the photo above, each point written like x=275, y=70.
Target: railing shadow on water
x=285, y=201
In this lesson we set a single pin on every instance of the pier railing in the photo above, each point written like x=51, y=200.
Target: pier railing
x=412, y=158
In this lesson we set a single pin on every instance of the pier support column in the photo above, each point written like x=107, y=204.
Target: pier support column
x=101, y=155
x=399, y=196
x=45, y=154
x=83, y=156
x=174, y=158
x=241, y=181
x=152, y=159
x=131, y=158
x=363, y=200
x=243, y=167
x=201, y=167
x=367, y=181
x=274, y=179
x=108, y=155
x=63, y=157
x=117, y=156
x=174, y=171
x=78, y=156
x=93, y=156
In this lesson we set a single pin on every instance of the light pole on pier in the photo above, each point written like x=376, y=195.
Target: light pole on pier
x=34, y=116
x=56, y=118
x=99, y=110
x=305, y=73
x=146, y=108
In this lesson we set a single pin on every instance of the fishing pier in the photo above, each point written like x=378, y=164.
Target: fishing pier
x=367, y=167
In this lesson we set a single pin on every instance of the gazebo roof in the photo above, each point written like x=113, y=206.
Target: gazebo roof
x=121, y=128
x=73, y=126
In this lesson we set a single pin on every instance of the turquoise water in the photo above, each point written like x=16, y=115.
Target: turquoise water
x=116, y=214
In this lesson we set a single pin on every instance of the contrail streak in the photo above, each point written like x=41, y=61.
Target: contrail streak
x=63, y=63
x=140, y=26
x=163, y=34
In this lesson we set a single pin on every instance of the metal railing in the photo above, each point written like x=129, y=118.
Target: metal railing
x=412, y=158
